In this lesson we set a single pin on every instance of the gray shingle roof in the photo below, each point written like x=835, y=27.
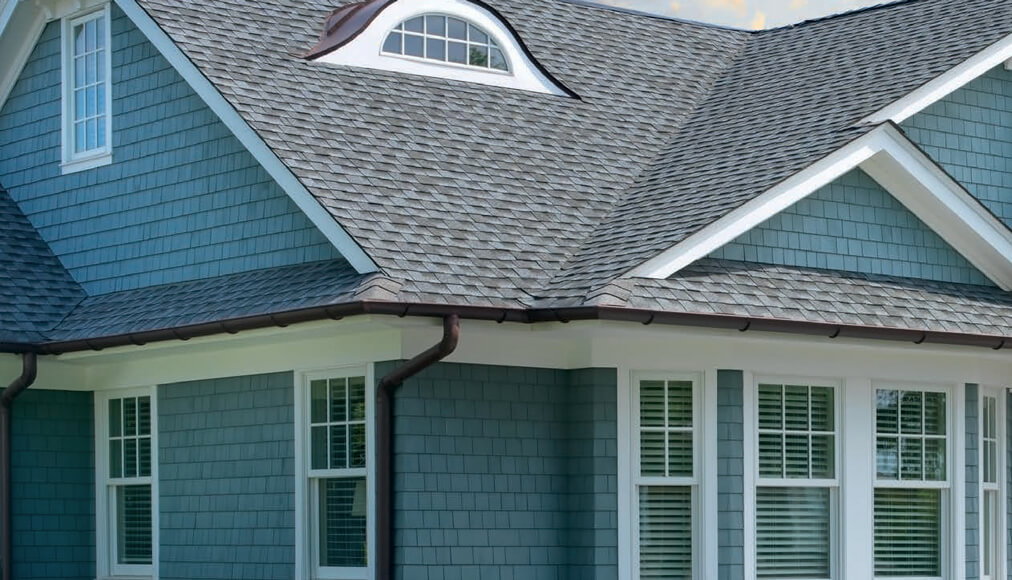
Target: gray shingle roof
x=825, y=296
x=36, y=292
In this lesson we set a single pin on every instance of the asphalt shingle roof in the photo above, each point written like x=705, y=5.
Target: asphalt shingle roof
x=36, y=291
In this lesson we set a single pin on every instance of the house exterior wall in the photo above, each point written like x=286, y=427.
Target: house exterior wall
x=969, y=133
x=227, y=479
x=972, y=477
x=182, y=200
x=853, y=224
x=730, y=475
x=53, y=486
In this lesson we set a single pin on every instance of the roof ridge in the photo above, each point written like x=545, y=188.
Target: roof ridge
x=883, y=5
x=651, y=15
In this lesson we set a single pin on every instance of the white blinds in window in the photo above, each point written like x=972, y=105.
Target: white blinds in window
x=793, y=532
x=666, y=532
x=908, y=532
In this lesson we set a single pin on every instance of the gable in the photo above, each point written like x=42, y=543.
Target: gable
x=854, y=225
x=183, y=198
x=969, y=133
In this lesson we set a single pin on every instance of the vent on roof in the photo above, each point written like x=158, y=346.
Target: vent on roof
x=463, y=40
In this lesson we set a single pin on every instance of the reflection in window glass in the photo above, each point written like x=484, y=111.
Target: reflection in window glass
x=446, y=39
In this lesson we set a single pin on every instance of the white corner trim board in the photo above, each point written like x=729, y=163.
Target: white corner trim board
x=365, y=50
x=944, y=85
x=320, y=217
x=898, y=166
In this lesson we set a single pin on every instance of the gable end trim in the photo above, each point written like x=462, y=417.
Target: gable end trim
x=905, y=171
x=252, y=141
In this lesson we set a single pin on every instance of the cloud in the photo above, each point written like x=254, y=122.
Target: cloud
x=739, y=7
x=798, y=4
x=758, y=21
x=674, y=7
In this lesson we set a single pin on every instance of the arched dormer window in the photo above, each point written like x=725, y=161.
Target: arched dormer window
x=465, y=40
x=447, y=40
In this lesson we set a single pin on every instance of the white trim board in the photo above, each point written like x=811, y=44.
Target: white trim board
x=333, y=231
x=898, y=166
x=945, y=84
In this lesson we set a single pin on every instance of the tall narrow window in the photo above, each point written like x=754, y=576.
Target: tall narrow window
x=667, y=480
x=126, y=479
x=86, y=93
x=797, y=481
x=990, y=505
x=912, y=483
x=337, y=476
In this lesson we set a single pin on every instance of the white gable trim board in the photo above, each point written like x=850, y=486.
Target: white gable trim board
x=21, y=25
x=944, y=85
x=903, y=170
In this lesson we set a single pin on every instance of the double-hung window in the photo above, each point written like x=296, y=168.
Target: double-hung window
x=912, y=482
x=127, y=472
x=87, y=97
x=337, y=527
x=797, y=485
x=666, y=481
x=991, y=477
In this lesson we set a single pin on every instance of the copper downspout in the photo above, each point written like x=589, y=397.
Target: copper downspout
x=29, y=370
x=385, y=437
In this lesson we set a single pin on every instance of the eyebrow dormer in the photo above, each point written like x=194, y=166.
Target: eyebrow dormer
x=460, y=40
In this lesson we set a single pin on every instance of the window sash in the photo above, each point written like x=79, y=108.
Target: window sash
x=795, y=532
x=87, y=89
x=910, y=532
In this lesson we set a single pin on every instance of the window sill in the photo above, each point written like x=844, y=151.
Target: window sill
x=84, y=164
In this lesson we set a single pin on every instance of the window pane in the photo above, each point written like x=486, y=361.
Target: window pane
x=435, y=25
x=912, y=413
x=771, y=455
x=908, y=532
x=934, y=460
x=989, y=506
x=144, y=457
x=116, y=458
x=478, y=56
x=793, y=532
x=318, y=401
x=680, y=404
x=115, y=417
x=476, y=35
x=414, y=45
x=911, y=459
x=339, y=447
x=133, y=524
x=680, y=454
x=129, y=458
x=415, y=25
x=393, y=43
x=652, y=453
x=934, y=413
x=144, y=416
x=130, y=417
x=435, y=48
x=823, y=409
x=358, y=457
x=796, y=408
x=887, y=412
x=343, y=523
x=771, y=412
x=319, y=452
x=356, y=396
x=338, y=400
x=457, y=29
x=652, y=404
x=796, y=456
x=887, y=458
x=100, y=33
x=497, y=60
x=79, y=39
x=80, y=104
x=665, y=532
x=823, y=456
x=457, y=52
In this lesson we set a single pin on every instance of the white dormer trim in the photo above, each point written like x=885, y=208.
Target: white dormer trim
x=954, y=79
x=365, y=50
x=897, y=165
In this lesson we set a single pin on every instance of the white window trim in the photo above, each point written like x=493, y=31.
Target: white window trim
x=365, y=50
x=305, y=499
x=752, y=479
x=104, y=520
x=74, y=162
x=1001, y=548
x=704, y=499
x=420, y=59
x=953, y=523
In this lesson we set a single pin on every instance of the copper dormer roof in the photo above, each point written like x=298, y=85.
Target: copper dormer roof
x=345, y=23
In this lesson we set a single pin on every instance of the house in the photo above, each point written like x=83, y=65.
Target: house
x=503, y=289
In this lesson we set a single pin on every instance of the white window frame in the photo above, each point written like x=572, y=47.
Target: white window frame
x=1000, y=524
x=952, y=524
x=306, y=484
x=71, y=160
x=425, y=36
x=697, y=483
x=105, y=518
x=751, y=410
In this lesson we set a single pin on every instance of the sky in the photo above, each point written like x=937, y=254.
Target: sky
x=750, y=14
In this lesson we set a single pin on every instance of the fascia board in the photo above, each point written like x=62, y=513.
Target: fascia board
x=760, y=209
x=21, y=26
x=897, y=165
x=945, y=84
x=309, y=205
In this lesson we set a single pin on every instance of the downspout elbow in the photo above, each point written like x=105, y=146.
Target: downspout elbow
x=29, y=371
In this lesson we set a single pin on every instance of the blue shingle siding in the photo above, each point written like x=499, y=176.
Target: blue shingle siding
x=972, y=474
x=227, y=477
x=1008, y=478
x=53, y=485
x=730, y=475
x=505, y=474
x=853, y=224
x=969, y=133
x=183, y=199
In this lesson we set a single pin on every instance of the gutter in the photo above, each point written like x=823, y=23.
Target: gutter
x=515, y=314
x=29, y=370
x=384, y=457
